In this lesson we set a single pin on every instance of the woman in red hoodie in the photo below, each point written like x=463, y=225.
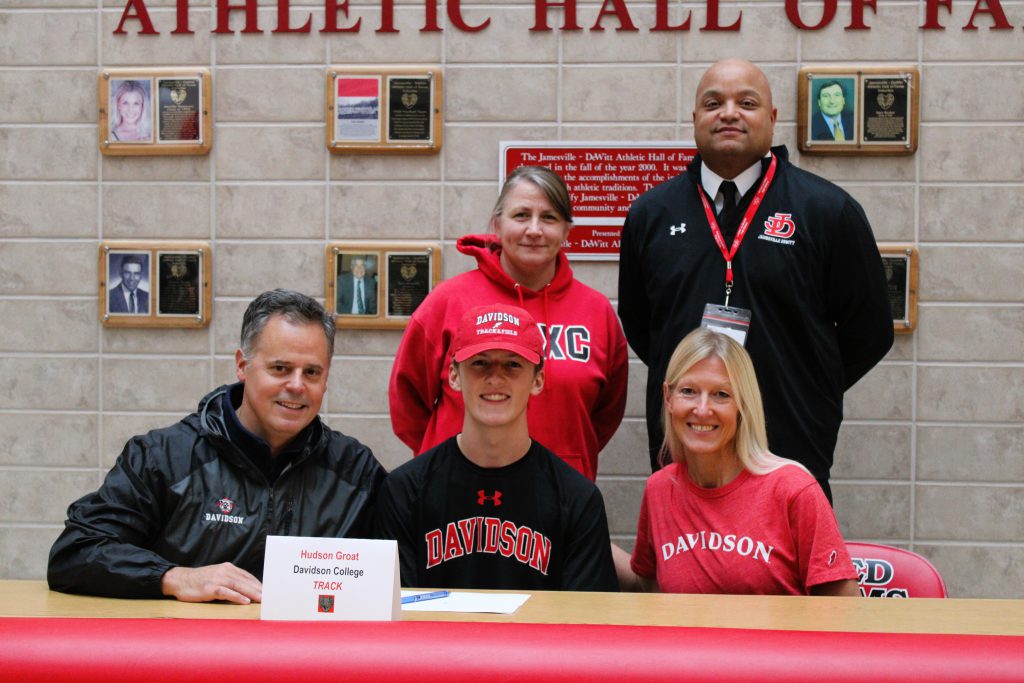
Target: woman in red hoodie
x=522, y=264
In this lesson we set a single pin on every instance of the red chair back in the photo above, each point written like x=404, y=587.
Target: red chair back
x=887, y=572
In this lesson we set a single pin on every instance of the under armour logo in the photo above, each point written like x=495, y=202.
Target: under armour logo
x=481, y=497
x=677, y=229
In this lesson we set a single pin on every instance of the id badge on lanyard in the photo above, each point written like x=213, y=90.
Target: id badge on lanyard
x=730, y=321
x=726, y=319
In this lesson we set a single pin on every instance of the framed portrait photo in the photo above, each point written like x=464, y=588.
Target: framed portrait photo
x=846, y=110
x=162, y=111
x=833, y=109
x=378, y=285
x=128, y=282
x=383, y=110
x=357, y=284
x=130, y=107
x=154, y=284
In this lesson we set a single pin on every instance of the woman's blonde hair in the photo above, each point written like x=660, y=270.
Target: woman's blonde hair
x=751, y=436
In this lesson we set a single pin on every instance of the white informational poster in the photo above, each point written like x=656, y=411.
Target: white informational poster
x=357, y=109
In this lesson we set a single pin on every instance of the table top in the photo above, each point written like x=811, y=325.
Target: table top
x=877, y=615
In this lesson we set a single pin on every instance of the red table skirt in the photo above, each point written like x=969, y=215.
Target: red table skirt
x=152, y=650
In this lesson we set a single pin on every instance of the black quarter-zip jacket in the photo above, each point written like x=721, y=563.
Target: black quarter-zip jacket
x=186, y=495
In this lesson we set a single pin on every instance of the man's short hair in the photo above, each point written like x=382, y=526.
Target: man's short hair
x=829, y=84
x=133, y=258
x=296, y=307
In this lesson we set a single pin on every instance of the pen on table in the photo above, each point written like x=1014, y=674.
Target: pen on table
x=425, y=596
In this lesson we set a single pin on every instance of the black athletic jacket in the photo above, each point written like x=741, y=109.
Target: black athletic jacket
x=185, y=495
x=808, y=268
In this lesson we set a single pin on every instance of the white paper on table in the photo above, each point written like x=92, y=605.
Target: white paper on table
x=468, y=601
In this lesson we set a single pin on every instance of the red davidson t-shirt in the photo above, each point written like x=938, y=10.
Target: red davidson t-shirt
x=759, y=534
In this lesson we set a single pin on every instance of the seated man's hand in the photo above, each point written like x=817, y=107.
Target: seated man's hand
x=222, y=581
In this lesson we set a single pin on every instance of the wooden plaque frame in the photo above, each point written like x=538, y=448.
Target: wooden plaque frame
x=879, y=94
x=397, y=268
x=374, y=122
x=162, y=263
x=181, y=125
x=901, y=272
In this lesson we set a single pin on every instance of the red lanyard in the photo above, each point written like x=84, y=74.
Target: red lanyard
x=716, y=232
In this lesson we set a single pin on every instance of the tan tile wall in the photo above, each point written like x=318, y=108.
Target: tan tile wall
x=931, y=455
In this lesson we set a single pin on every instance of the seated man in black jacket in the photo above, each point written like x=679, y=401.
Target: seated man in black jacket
x=491, y=507
x=186, y=509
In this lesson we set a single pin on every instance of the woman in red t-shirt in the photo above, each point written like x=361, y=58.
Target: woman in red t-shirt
x=726, y=515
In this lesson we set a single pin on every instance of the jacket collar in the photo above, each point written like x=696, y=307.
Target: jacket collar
x=241, y=446
x=693, y=171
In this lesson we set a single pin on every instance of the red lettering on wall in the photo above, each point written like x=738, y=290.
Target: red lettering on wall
x=712, y=21
x=618, y=8
x=827, y=15
x=931, y=13
x=136, y=15
x=455, y=16
x=224, y=10
x=540, y=15
x=284, y=19
x=387, y=17
x=182, y=13
x=992, y=8
x=141, y=14
x=857, y=14
x=661, y=18
x=331, y=10
x=430, y=18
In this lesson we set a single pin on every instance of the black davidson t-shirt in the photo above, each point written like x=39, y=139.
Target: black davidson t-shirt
x=536, y=524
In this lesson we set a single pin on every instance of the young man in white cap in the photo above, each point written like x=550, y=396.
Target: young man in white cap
x=491, y=507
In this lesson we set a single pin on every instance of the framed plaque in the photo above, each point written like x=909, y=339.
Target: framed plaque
x=409, y=281
x=378, y=285
x=410, y=114
x=378, y=110
x=178, y=113
x=885, y=114
x=154, y=284
x=178, y=290
x=154, y=111
x=901, y=269
x=858, y=110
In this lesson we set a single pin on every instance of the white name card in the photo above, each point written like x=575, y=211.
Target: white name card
x=330, y=579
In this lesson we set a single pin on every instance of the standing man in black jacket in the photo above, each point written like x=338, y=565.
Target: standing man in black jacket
x=186, y=510
x=747, y=243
